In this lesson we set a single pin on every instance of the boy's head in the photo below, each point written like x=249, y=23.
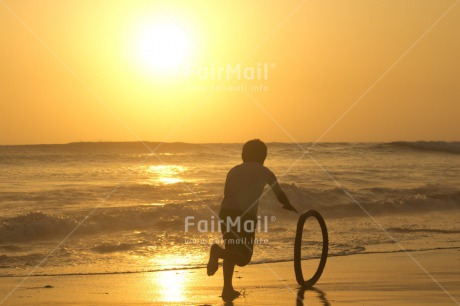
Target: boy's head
x=254, y=151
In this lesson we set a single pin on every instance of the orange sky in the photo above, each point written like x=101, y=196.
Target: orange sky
x=74, y=71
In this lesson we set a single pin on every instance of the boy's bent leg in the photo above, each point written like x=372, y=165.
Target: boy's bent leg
x=245, y=250
x=231, y=258
x=231, y=255
x=213, y=263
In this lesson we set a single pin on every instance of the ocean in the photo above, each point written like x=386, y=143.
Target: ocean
x=89, y=208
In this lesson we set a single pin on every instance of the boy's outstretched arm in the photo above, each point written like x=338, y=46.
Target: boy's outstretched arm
x=282, y=197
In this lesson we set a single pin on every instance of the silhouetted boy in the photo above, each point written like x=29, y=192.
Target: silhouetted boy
x=243, y=188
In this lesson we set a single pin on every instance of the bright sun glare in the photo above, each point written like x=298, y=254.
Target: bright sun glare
x=162, y=46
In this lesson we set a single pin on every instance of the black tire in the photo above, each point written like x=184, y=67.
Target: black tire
x=298, y=245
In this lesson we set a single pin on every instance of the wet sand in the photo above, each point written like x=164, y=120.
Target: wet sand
x=366, y=279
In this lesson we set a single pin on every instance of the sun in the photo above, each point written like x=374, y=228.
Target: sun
x=162, y=46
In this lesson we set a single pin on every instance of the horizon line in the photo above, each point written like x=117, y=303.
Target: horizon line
x=201, y=143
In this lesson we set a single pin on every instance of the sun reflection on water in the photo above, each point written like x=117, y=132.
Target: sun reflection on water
x=167, y=174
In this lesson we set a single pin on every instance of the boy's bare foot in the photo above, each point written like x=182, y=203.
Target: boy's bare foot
x=230, y=295
x=213, y=263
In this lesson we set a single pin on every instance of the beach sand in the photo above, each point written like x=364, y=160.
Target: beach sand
x=366, y=279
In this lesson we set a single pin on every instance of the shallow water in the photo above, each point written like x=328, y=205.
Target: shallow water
x=116, y=207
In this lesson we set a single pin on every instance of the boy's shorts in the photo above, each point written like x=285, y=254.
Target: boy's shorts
x=240, y=241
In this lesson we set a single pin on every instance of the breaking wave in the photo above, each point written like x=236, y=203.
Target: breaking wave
x=332, y=203
x=423, y=146
x=335, y=202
